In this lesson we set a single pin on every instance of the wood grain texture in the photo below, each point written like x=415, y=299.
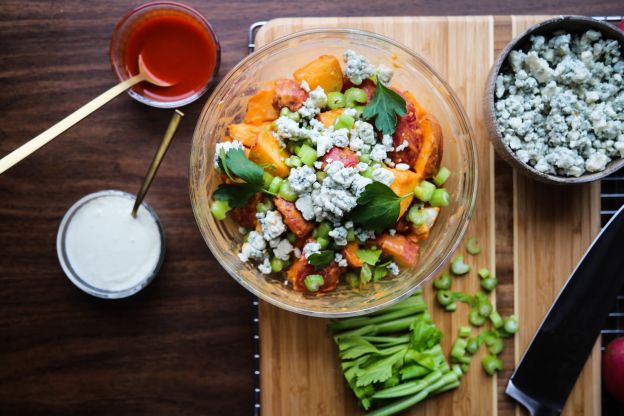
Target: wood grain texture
x=298, y=361
x=553, y=226
x=184, y=345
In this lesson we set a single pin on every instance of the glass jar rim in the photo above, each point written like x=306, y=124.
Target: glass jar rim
x=75, y=278
x=173, y=5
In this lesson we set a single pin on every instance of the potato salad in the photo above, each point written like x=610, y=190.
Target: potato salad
x=333, y=176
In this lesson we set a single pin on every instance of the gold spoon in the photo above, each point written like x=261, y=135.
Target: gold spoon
x=34, y=144
x=158, y=157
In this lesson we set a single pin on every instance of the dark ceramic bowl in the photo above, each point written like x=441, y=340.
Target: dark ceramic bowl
x=570, y=24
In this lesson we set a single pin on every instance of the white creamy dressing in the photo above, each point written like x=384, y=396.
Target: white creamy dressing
x=108, y=248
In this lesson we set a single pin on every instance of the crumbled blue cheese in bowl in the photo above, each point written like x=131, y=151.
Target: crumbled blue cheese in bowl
x=559, y=105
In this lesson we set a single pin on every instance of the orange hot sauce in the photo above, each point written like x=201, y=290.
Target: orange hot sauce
x=175, y=48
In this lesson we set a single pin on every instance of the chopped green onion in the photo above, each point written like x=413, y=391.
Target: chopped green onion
x=464, y=331
x=416, y=216
x=444, y=297
x=495, y=345
x=458, y=267
x=262, y=207
x=354, y=96
x=472, y=246
x=424, y=191
x=352, y=280
x=484, y=273
x=322, y=230
x=368, y=173
x=451, y=307
x=336, y=100
x=458, y=349
x=489, y=283
x=510, y=324
x=456, y=368
x=277, y=265
x=472, y=345
x=359, y=109
x=443, y=282
x=307, y=154
x=320, y=175
x=465, y=367
x=496, y=319
x=491, y=364
x=313, y=282
x=323, y=242
x=440, y=198
x=286, y=192
x=293, y=161
x=365, y=274
x=475, y=318
x=441, y=177
x=364, y=158
x=350, y=234
x=266, y=179
x=219, y=209
x=344, y=121
x=483, y=305
x=275, y=184
x=285, y=112
x=291, y=237
x=293, y=147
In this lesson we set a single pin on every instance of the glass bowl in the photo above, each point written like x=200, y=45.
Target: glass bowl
x=132, y=20
x=281, y=58
x=65, y=258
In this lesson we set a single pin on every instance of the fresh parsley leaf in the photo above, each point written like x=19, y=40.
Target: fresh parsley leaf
x=380, y=370
x=236, y=195
x=424, y=336
x=321, y=259
x=236, y=162
x=385, y=106
x=369, y=256
x=378, y=207
x=357, y=348
x=222, y=165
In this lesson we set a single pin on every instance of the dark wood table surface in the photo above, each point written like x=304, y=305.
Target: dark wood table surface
x=184, y=345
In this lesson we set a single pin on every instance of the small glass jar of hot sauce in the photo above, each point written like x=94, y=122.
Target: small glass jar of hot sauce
x=176, y=43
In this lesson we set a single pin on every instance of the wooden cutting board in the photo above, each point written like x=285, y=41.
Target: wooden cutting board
x=543, y=233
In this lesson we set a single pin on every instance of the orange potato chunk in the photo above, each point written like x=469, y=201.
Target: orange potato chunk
x=293, y=218
x=267, y=151
x=324, y=71
x=289, y=94
x=422, y=232
x=418, y=109
x=247, y=133
x=404, y=183
x=349, y=253
x=260, y=107
x=400, y=248
x=331, y=276
x=430, y=156
x=328, y=118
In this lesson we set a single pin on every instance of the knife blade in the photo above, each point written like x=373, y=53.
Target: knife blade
x=557, y=353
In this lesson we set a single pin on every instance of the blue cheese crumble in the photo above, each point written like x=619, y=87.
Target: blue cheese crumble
x=561, y=107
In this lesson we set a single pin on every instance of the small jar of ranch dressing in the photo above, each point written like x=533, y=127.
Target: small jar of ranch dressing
x=107, y=252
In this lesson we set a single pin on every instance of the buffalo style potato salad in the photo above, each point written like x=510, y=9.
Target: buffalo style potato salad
x=332, y=176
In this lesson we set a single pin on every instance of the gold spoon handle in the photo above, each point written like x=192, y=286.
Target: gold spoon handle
x=158, y=158
x=42, y=139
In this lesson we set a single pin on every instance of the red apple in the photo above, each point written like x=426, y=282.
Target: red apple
x=613, y=368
